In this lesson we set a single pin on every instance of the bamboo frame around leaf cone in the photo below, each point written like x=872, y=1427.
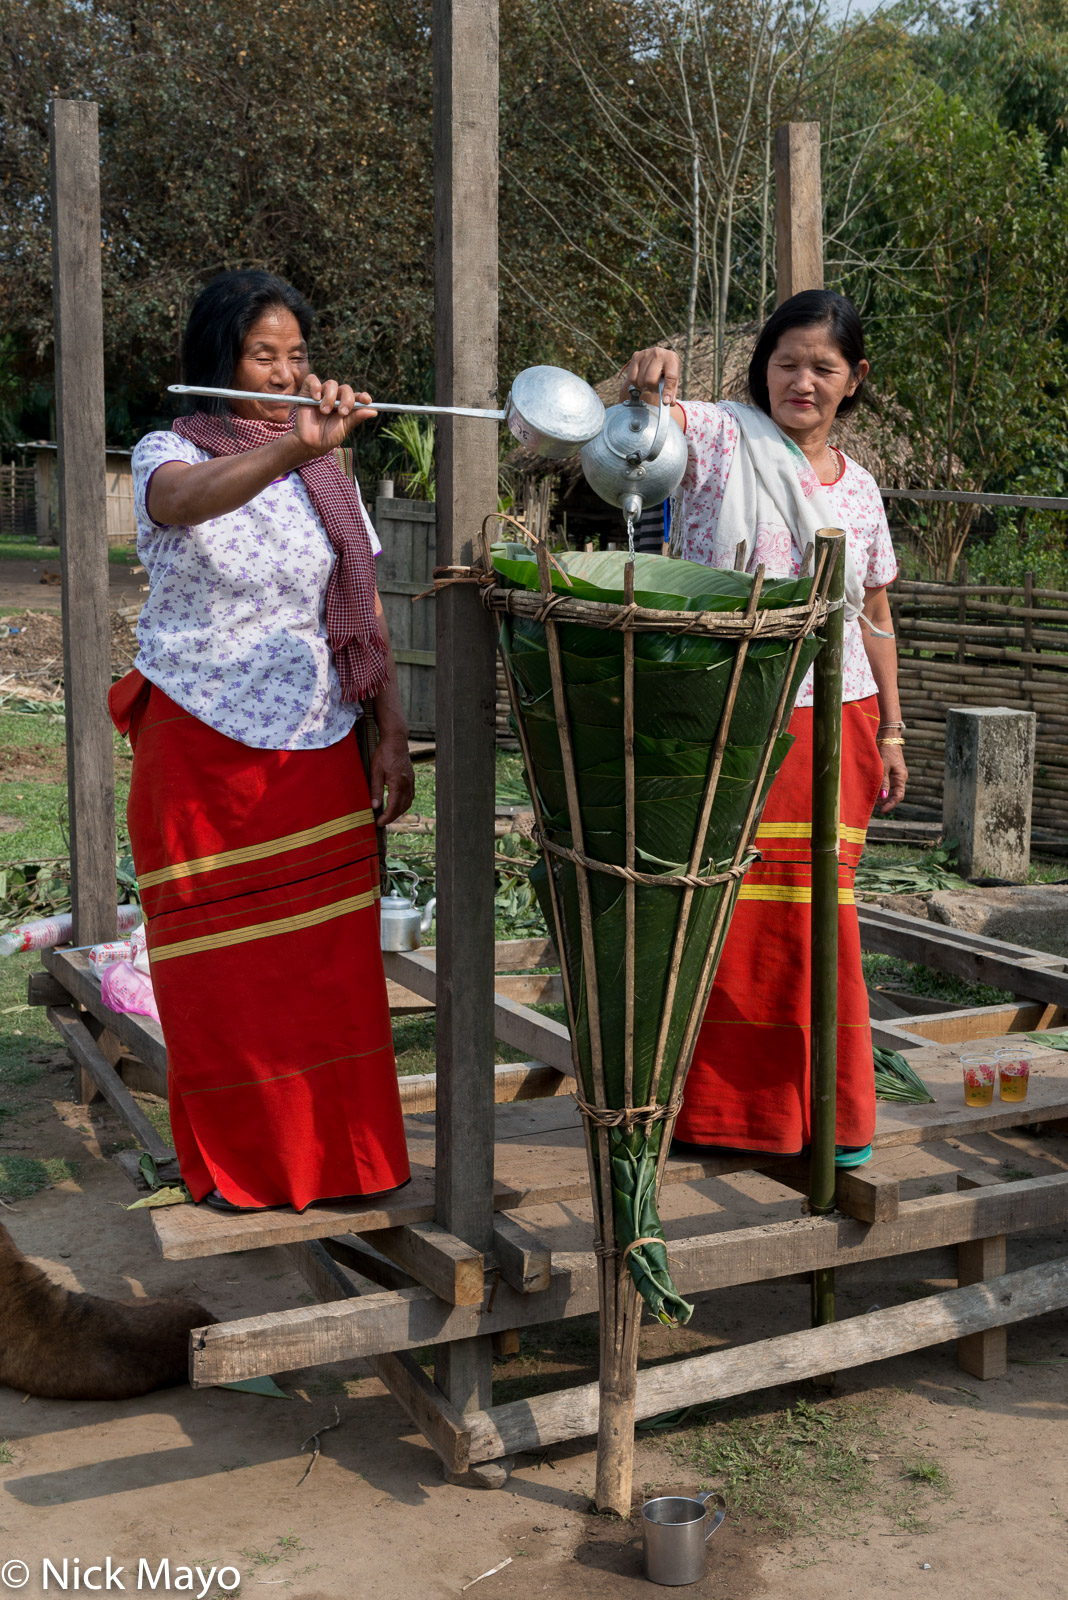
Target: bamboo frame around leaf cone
x=618, y=1294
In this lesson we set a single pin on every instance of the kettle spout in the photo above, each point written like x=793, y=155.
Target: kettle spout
x=428, y=915
x=631, y=507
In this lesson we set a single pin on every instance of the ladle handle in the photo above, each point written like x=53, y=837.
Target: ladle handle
x=663, y=423
x=308, y=400
x=720, y=1513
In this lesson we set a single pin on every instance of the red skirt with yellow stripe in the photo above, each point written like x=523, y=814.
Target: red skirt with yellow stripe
x=258, y=872
x=749, y=1085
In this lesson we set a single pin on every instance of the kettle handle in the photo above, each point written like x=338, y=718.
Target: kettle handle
x=720, y=1513
x=662, y=425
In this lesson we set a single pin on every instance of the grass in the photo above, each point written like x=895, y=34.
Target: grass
x=23, y=1176
x=806, y=1468
x=929, y=1474
x=414, y=1042
x=6, y=1457
x=911, y=978
x=13, y=548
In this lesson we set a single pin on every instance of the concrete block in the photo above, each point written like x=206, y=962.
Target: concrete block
x=986, y=807
x=1035, y=915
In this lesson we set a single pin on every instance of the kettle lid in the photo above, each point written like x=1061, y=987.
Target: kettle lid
x=630, y=428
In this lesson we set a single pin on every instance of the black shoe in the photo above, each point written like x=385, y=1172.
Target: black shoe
x=217, y=1202
x=355, y=1200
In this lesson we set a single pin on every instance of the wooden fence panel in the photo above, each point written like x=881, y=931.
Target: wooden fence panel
x=984, y=645
x=405, y=569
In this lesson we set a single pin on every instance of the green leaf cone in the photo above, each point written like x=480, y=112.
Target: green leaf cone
x=680, y=686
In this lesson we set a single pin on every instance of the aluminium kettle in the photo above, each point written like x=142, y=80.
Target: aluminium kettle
x=638, y=458
x=401, y=923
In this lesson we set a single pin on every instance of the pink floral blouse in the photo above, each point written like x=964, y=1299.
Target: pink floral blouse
x=711, y=439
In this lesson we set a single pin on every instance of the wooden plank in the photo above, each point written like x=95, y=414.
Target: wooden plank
x=523, y=1260
x=983, y=1022
x=938, y=947
x=141, y=1035
x=425, y=1405
x=978, y=941
x=513, y=1023
x=540, y=988
x=87, y=1055
x=408, y=1319
x=414, y=658
x=356, y=1254
x=789, y=1358
x=526, y=1080
x=866, y=1195
x=888, y=1036
x=517, y=955
x=798, y=209
x=74, y=166
x=435, y=1258
x=44, y=990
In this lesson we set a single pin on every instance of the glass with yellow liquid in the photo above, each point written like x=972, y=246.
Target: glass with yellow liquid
x=1013, y=1073
x=979, y=1076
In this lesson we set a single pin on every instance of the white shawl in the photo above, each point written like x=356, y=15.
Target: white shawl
x=772, y=490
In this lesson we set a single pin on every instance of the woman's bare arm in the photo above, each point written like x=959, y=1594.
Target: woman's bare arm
x=882, y=658
x=391, y=766
x=181, y=494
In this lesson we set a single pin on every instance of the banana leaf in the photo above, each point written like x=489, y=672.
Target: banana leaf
x=680, y=690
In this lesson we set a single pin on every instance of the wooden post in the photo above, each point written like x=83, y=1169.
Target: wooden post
x=79, y=338
x=465, y=41
x=798, y=209
x=985, y=1354
x=826, y=778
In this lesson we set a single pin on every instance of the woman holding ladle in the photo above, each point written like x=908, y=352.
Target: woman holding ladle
x=252, y=821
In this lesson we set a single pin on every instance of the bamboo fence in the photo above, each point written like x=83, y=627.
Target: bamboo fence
x=983, y=644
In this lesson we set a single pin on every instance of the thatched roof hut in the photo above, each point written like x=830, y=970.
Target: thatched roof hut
x=883, y=440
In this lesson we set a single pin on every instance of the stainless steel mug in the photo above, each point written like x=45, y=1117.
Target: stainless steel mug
x=675, y=1532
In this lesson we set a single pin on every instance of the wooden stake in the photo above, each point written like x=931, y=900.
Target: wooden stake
x=465, y=46
x=74, y=153
x=798, y=209
x=826, y=780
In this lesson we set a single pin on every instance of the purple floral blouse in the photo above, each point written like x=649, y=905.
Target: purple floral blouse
x=233, y=626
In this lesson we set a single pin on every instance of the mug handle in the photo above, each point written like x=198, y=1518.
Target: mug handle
x=720, y=1514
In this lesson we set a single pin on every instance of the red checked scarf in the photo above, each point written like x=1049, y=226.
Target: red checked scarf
x=351, y=628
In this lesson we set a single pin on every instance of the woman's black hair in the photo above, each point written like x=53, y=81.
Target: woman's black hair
x=222, y=314
x=812, y=307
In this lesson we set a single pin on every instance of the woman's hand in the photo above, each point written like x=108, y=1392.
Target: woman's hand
x=322, y=428
x=646, y=368
x=392, y=774
x=895, y=777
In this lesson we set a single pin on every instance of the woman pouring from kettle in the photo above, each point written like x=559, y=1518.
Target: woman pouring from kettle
x=252, y=821
x=765, y=474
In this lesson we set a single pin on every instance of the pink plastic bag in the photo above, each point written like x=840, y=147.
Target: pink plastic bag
x=123, y=988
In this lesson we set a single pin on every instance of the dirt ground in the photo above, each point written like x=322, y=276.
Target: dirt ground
x=948, y=1486
x=37, y=584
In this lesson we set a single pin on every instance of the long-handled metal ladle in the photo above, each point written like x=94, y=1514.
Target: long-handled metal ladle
x=549, y=410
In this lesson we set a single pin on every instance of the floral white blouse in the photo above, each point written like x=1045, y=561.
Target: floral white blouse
x=233, y=627
x=711, y=440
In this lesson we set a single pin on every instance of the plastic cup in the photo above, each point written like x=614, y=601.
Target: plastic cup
x=979, y=1077
x=1013, y=1074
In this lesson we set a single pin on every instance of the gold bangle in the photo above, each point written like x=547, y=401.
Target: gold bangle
x=889, y=741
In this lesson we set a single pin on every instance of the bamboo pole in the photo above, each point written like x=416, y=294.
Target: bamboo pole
x=826, y=781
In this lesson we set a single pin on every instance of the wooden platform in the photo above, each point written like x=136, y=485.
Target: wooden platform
x=540, y=1160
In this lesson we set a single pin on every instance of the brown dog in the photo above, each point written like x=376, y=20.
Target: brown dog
x=78, y=1347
